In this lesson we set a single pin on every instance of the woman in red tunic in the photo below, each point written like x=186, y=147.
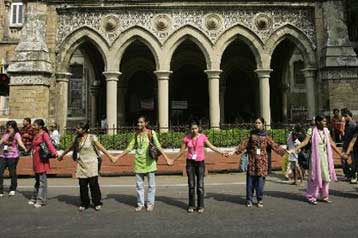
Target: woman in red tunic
x=256, y=147
x=41, y=167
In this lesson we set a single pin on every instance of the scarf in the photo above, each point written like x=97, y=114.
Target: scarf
x=259, y=132
x=316, y=165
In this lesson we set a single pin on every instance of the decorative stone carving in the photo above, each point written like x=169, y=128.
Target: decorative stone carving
x=32, y=54
x=29, y=80
x=263, y=22
x=339, y=74
x=213, y=22
x=163, y=22
x=110, y=23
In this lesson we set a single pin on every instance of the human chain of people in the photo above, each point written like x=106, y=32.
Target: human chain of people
x=307, y=152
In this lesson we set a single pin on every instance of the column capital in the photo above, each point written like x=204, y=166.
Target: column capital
x=213, y=73
x=163, y=74
x=63, y=77
x=112, y=75
x=263, y=73
x=309, y=72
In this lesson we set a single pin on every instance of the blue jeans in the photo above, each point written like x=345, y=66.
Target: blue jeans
x=254, y=183
x=40, y=189
x=140, y=188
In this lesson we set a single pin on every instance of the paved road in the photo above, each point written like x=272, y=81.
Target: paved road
x=285, y=214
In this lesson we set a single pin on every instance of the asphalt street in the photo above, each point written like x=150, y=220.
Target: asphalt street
x=285, y=212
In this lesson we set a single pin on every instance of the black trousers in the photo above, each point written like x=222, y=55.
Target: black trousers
x=11, y=165
x=95, y=191
x=196, y=171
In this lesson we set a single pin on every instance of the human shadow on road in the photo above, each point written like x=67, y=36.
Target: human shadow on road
x=337, y=193
x=26, y=194
x=286, y=195
x=68, y=199
x=237, y=199
x=129, y=200
x=172, y=202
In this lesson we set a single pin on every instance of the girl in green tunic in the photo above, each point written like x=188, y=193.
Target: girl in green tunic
x=144, y=164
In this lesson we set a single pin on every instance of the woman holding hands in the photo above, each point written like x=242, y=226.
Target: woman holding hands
x=256, y=146
x=195, y=143
x=144, y=164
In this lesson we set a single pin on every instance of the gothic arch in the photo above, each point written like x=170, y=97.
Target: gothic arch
x=298, y=38
x=126, y=38
x=74, y=40
x=244, y=34
x=188, y=33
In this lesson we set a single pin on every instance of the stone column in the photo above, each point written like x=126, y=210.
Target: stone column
x=111, y=85
x=62, y=79
x=285, y=91
x=310, y=79
x=122, y=90
x=94, y=93
x=264, y=92
x=163, y=99
x=214, y=97
x=7, y=19
x=222, y=103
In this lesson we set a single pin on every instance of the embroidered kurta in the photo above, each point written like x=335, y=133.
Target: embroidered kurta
x=87, y=162
x=143, y=163
x=327, y=173
x=258, y=162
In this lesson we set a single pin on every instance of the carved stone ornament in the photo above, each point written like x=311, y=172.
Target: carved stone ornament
x=162, y=22
x=263, y=22
x=110, y=23
x=213, y=22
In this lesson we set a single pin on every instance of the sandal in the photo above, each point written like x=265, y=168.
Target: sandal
x=313, y=202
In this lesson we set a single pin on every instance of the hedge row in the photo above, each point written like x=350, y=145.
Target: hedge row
x=222, y=138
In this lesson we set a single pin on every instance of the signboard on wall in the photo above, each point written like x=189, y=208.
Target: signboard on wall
x=181, y=105
x=147, y=104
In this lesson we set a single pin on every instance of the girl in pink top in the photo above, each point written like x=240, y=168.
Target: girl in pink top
x=195, y=164
x=10, y=155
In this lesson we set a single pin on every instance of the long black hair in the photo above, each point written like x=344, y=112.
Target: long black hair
x=318, y=119
x=41, y=124
x=13, y=125
x=76, y=143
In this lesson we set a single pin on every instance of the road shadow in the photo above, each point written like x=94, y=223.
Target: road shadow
x=129, y=200
x=26, y=194
x=237, y=199
x=172, y=202
x=286, y=195
x=68, y=199
x=337, y=193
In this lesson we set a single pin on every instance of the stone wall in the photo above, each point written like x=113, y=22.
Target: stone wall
x=29, y=101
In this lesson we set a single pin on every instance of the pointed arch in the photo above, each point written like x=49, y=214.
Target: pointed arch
x=296, y=36
x=126, y=38
x=75, y=39
x=244, y=34
x=193, y=34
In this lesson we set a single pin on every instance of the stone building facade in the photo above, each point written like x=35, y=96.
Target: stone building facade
x=222, y=61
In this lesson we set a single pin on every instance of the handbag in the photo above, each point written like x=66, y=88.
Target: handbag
x=99, y=158
x=45, y=153
x=153, y=151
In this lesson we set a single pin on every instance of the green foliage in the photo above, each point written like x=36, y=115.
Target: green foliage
x=222, y=138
